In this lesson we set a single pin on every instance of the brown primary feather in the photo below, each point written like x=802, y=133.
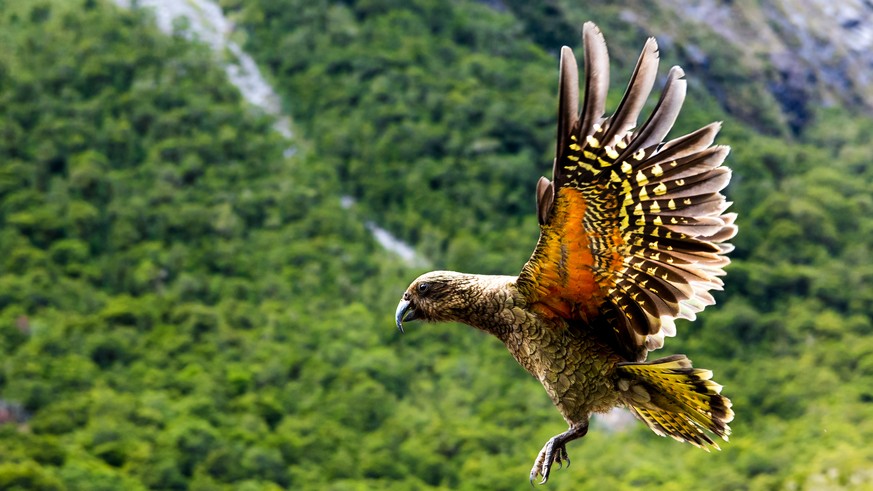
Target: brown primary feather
x=568, y=101
x=596, y=78
x=663, y=116
x=545, y=199
x=633, y=235
x=638, y=90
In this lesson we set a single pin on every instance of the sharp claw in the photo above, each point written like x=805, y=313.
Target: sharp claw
x=555, y=450
x=535, y=472
x=549, y=455
x=563, y=456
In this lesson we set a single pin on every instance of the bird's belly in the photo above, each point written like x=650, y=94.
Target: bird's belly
x=576, y=369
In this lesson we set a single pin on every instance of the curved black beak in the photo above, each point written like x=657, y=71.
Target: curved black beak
x=405, y=312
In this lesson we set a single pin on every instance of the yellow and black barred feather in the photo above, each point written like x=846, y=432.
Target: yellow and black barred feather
x=674, y=399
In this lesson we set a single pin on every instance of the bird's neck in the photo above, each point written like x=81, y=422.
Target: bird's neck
x=491, y=301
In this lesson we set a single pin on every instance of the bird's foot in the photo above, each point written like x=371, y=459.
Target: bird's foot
x=553, y=452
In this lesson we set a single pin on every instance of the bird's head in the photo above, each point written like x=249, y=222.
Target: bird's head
x=436, y=296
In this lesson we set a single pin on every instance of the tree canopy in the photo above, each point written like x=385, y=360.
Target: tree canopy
x=183, y=307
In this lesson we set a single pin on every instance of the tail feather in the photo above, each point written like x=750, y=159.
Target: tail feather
x=674, y=399
x=664, y=423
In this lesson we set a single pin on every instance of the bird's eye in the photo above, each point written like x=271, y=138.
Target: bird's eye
x=423, y=287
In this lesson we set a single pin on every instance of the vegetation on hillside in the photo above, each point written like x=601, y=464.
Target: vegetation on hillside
x=181, y=307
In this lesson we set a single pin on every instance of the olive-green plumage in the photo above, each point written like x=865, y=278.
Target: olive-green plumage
x=633, y=235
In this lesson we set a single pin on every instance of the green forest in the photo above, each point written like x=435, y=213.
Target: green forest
x=183, y=307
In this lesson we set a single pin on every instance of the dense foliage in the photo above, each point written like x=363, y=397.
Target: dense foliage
x=181, y=307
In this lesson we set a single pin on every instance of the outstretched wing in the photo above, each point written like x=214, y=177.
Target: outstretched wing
x=632, y=230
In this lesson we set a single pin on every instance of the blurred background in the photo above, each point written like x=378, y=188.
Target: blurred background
x=208, y=211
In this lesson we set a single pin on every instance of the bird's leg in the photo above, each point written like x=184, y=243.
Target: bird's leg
x=555, y=450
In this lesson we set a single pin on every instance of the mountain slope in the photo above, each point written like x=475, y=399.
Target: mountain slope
x=181, y=307
x=789, y=336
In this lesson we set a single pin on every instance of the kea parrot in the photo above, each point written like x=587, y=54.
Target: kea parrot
x=633, y=235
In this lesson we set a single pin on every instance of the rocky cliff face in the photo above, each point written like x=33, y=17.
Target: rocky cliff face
x=808, y=52
x=768, y=62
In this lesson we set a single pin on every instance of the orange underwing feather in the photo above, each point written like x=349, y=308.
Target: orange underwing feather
x=632, y=229
x=564, y=261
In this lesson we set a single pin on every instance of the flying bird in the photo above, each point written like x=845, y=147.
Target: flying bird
x=633, y=235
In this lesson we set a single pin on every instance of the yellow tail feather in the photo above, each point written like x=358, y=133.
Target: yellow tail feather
x=674, y=399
